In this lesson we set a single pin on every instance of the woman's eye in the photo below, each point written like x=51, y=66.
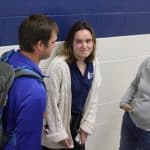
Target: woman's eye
x=78, y=42
x=89, y=41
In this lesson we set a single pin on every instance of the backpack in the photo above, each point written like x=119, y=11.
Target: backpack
x=7, y=76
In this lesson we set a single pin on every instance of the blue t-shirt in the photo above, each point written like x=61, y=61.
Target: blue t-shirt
x=80, y=86
x=25, y=107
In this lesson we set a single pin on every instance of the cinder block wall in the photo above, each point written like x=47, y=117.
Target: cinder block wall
x=119, y=59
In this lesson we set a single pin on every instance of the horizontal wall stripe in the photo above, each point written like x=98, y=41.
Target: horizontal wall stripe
x=108, y=18
x=57, y=7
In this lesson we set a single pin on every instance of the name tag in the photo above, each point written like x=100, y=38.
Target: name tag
x=90, y=75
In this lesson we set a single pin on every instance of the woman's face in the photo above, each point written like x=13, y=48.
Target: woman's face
x=82, y=44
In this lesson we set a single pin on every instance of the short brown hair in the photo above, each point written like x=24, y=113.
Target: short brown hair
x=35, y=28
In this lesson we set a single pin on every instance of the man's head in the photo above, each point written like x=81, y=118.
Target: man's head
x=38, y=34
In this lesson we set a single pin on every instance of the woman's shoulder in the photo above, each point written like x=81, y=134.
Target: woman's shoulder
x=57, y=64
x=96, y=62
x=59, y=60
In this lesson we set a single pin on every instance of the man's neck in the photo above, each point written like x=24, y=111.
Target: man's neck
x=31, y=56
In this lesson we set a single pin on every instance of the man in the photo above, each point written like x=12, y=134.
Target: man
x=23, y=114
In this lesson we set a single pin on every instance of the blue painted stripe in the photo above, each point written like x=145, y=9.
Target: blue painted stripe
x=66, y=7
x=108, y=18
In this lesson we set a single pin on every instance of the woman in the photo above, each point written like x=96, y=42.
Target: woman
x=72, y=89
x=135, y=132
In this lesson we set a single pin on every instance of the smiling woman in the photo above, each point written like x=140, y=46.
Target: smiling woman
x=71, y=111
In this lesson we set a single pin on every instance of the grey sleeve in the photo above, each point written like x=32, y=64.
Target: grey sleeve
x=132, y=90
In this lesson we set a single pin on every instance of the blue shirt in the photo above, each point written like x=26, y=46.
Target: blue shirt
x=80, y=86
x=25, y=107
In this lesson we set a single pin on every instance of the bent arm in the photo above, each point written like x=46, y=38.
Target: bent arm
x=133, y=88
x=55, y=131
x=89, y=117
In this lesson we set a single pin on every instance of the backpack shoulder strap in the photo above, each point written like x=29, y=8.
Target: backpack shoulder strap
x=7, y=74
x=5, y=56
x=28, y=72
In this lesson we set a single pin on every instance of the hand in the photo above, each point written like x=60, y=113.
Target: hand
x=83, y=136
x=45, y=115
x=67, y=143
x=126, y=107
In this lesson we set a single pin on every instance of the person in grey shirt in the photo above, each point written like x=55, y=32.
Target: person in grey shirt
x=135, y=131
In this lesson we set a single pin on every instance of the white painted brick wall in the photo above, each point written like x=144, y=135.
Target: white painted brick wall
x=120, y=58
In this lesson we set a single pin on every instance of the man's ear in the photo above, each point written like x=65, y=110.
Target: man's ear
x=40, y=44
